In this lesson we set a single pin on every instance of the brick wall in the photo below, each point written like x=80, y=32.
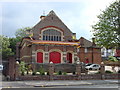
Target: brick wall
x=58, y=67
x=11, y=68
x=92, y=55
x=71, y=77
x=25, y=53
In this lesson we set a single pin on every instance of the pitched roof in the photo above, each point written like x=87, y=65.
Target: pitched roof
x=85, y=43
x=52, y=12
x=52, y=20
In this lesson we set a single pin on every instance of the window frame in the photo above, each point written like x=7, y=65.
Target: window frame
x=48, y=35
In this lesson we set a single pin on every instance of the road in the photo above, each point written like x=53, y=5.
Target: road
x=89, y=86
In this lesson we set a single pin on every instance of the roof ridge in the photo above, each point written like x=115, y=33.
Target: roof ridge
x=51, y=12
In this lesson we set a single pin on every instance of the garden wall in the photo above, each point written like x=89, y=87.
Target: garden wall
x=71, y=77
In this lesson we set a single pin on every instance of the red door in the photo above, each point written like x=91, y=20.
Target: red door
x=69, y=57
x=55, y=57
x=39, y=57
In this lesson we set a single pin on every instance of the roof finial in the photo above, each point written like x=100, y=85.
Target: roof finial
x=43, y=16
x=51, y=12
x=43, y=12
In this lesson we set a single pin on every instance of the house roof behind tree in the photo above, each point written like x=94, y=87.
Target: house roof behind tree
x=84, y=42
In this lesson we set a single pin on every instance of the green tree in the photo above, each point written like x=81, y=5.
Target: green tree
x=107, y=29
x=5, y=51
x=13, y=42
x=22, y=32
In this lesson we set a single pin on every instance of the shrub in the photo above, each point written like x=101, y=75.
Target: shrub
x=42, y=72
x=107, y=71
x=59, y=73
x=111, y=58
x=22, y=74
x=97, y=72
x=34, y=73
x=64, y=73
x=119, y=71
x=73, y=73
x=47, y=73
x=22, y=67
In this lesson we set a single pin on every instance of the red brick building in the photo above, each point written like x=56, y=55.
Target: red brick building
x=53, y=41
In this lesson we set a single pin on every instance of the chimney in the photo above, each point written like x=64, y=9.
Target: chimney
x=82, y=41
x=42, y=17
x=74, y=36
x=93, y=41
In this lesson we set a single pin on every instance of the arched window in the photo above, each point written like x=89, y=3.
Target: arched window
x=51, y=35
x=39, y=57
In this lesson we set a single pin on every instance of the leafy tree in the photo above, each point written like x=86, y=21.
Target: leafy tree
x=5, y=51
x=107, y=29
x=20, y=33
x=13, y=42
x=8, y=45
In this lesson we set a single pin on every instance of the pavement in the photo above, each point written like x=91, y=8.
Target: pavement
x=15, y=84
x=71, y=83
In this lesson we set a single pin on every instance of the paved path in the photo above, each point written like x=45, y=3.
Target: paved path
x=18, y=84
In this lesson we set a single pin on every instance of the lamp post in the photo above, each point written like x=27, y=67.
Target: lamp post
x=93, y=44
x=92, y=54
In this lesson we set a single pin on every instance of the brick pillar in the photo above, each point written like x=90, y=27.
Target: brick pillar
x=51, y=70
x=78, y=69
x=11, y=70
x=102, y=71
x=33, y=66
x=33, y=53
x=46, y=60
x=17, y=71
x=86, y=71
x=18, y=51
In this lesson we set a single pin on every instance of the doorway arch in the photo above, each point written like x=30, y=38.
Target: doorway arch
x=39, y=57
x=55, y=57
x=69, y=57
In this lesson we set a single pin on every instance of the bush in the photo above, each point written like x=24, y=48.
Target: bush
x=97, y=72
x=111, y=58
x=73, y=73
x=59, y=73
x=47, y=73
x=107, y=71
x=64, y=73
x=34, y=73
x=42, y=73
x=119, y=71
x=22, y=74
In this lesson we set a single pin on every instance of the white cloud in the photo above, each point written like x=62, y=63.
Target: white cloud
x=78, y=15
x=0, y=19
x=41, y=0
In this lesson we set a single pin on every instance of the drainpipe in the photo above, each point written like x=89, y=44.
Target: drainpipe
x=93, y=44
x=92, y=55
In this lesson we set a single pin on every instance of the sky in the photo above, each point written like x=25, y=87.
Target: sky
x=78, y=15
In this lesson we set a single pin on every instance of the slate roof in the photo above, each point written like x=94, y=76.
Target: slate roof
x=51, y=20
x=86, y=43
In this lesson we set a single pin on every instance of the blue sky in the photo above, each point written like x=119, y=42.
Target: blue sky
x=77, y=15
